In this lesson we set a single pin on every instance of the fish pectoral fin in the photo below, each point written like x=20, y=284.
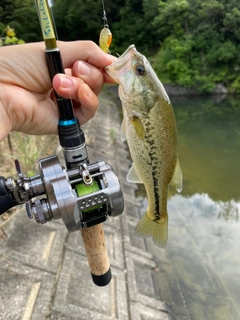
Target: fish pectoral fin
x=123, y=131
x=138, y=126
x=157, y=230
x=133, y=176
x=177, y=178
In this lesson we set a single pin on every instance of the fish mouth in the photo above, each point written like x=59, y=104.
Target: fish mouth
x=121, y=62
x=124, y=58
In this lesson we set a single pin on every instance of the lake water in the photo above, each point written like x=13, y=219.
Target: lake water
x=199, y=271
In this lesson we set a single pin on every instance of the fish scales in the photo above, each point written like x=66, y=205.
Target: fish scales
x=150, y=129
x=158, y=161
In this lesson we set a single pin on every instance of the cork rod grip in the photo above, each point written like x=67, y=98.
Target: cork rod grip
x=96, y=251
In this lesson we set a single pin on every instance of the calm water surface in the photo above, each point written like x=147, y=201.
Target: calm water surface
x=199, y=271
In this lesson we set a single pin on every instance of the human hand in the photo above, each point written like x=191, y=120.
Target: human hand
x=27, y=103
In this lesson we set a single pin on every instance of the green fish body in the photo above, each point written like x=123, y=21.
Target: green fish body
x=150, y=129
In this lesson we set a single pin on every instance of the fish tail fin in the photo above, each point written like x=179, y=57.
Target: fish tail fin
x=157, y=230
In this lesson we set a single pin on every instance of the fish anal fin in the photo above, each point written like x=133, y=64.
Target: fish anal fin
x=133, y=176
x=177, y=178
x=157, y=230
x=138, y=126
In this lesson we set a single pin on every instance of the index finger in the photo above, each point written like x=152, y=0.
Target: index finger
x=84, y=50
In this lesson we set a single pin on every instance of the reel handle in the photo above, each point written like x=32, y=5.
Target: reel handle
x=97, y=255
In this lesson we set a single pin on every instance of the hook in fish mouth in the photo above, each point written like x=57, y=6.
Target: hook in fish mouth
x=122, y=60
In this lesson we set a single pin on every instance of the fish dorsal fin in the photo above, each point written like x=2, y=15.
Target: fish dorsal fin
x=177, y=178
x=123, y=131
x=133, y=176
x=138, y=126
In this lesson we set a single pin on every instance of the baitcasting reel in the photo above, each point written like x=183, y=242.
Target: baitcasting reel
x=83, y=197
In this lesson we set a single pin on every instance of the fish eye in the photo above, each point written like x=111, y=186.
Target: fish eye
x=140, y=69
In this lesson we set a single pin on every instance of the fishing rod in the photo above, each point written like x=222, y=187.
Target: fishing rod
x=84, y=194
x=71, y=136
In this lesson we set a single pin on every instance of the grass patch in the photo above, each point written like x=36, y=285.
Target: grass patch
x=27, y=149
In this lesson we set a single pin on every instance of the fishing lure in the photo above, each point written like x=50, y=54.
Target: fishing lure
x=105, y=38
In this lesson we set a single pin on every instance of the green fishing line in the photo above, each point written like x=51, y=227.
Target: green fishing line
x=83, y=190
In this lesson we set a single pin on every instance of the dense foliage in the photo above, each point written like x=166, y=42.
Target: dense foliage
x=200, y=42
x=20, y=15
x=197, y=41
x=129, y=20
x=193, y=43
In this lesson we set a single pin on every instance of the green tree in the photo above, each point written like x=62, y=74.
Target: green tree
x=134, y=26
x=82, y=20
x=200, y=43
x=129, y=21
x=22, y=16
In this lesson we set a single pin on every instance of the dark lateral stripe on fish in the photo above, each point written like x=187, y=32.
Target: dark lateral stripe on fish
x=156, y=196
x=153, y=163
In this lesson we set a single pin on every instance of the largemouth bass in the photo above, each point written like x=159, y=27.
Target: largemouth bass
x=150, y=129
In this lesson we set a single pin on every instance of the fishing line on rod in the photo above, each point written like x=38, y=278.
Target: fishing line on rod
x=53, y=21
x=105, y=38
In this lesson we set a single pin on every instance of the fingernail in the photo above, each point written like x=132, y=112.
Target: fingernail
x=83, y=68
x=66, y=82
